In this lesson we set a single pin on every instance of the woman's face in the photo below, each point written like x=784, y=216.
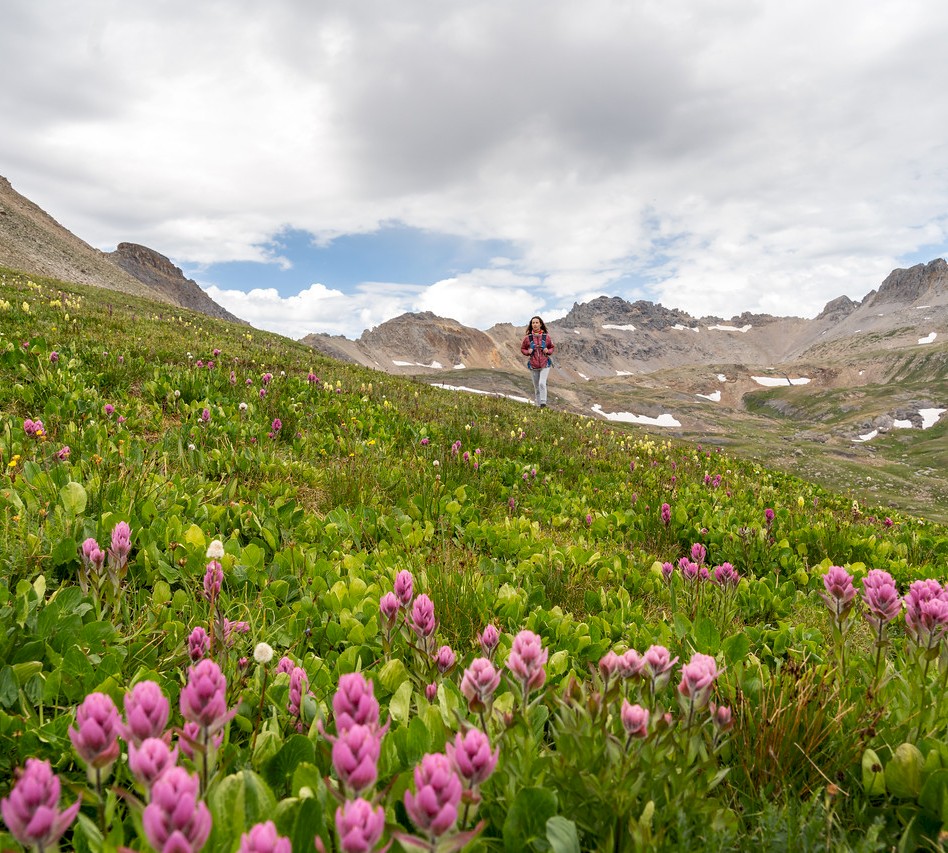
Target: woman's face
x=535, y=324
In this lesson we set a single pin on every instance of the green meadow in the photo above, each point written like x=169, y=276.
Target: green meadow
x=372, y=614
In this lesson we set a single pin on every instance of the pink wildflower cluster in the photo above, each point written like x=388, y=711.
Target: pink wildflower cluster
x=34, y=429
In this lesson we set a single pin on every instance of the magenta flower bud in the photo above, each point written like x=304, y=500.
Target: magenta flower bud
x=263, y=838
x=299, y=685
x=840, y=591
x=526, y=660
x=882, y=598
x=668, y=571
x=150, y=760
x=92, y=555
x=95, y=737
x=479, y=682
x=64, y=453
x=631, y=664
x=234, y=627
x=404, y=587
x=431, y=691
x=489, y=638
x=354, y=702
x=433, y=808
x=204, y=697
x=698, y=553
x=285, y=665
x=176, y=821
x=213, y=579
x=146, y=712
x=697, y=678
x=205, y=415
x=689, y=570
x=920, y=593
x=359, y=826
x=769, y=516
x=725, y=575
x=422, y=616
x=31, y=811
x=445, y=659
x=658, y=664
x=388, y=607
x=355, y=756
x=199, y=644
x=721, y=717
x=53, y=357
x=471, y=757
x=108, y=408
x=121, y=543
x=666, y=514
x=311, y=377
x=276, y=426
x=609, y=665
x=634, y=719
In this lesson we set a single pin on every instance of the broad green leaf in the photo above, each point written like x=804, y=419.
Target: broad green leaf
x=278, y=771
x=707, y=637
x=400, y=705
x=903, y=773
x=65, y=551
x=73, y=496
x=392, y=675
x=934, y=795
x=873, y=777
x=527, y=819
x=561, y=835
x=194, y=536
x=9, y=688
x=735, y=648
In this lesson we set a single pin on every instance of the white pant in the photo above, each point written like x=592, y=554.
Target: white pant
x=539, y=384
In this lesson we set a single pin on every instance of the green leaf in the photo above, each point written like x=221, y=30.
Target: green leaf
x=65, y=551
x=278, y=771
x=873, y=777
x=195, y=538
x=934, y=796
x=400, y=705
x=527, y=819
x=903, y=774
x=9, y=688
x=73, y=496
x=735, y=648
x=393, y=675
x=561, y=835
x=707, y=637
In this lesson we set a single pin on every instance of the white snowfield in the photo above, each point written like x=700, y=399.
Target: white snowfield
x=685, y=328
x=714, y=396
x=626, y=328
x=623, y=373
x=929, y=419
x=447, y=387
x=929, y=338
x=665, y=420
x=730, y=328
x=722, y=377
x=775, y=381
x=435, y=365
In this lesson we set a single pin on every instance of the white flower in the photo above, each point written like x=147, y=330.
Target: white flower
x=215, y=550
x=191, y=447
x=263, y=653
x=177, y=394
x=242, y=407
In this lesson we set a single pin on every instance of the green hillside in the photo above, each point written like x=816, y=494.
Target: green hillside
x=691, y=650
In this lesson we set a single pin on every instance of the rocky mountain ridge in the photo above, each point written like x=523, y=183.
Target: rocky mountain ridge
x=31, y=241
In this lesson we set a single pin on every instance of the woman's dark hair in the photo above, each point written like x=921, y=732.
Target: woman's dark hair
x=542, y=324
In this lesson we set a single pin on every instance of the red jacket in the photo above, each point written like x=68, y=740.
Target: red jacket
x=532, y=346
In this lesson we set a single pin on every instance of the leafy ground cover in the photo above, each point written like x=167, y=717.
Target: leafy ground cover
x=255, y=599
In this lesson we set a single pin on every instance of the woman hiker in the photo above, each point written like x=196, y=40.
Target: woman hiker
x=538, y=346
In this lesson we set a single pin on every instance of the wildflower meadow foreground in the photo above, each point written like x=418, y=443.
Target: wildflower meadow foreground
x=257, y=600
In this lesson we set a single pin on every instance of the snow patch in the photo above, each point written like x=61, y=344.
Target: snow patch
x=459, y=367
x=714, y=396
x=435, y=365
x=930, y=416
x=774, y=381
x=685, y=328
x=730, y=328
x=900, y=424
x=665, y=420
x=929, y=338
x=623, y=373
x=722, y=377
x=478, y=391
x=583, y=375
x=626, y=328
x=868, y=436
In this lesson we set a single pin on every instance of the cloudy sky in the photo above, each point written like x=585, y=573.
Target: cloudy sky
x=324, y=166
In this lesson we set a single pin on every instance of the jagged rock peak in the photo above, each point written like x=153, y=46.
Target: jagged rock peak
x=614, y=309
x=836, y=309
x=909, y=285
